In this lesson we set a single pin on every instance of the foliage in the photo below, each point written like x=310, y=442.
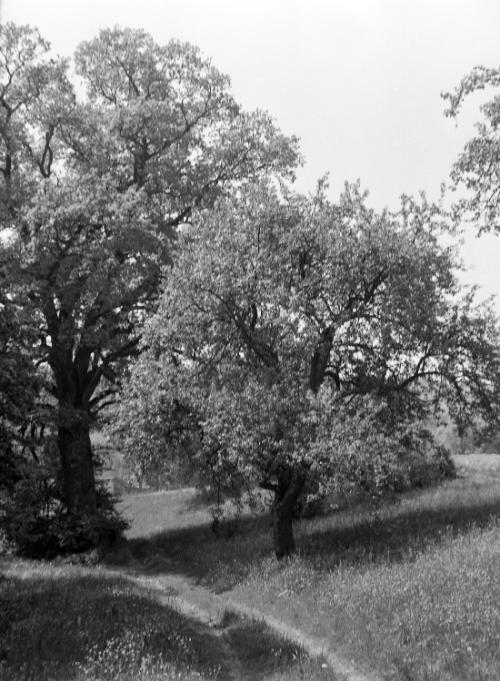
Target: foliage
x=36, y=524
x=478, y=166
x=295, y=336
x=410, y=460
x=19, y=384
x=93, y=190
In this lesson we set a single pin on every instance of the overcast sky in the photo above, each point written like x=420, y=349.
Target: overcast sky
x=358, y=81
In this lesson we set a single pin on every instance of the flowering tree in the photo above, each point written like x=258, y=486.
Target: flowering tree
x=296, y=338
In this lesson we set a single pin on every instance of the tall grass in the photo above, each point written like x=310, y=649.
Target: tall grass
x=411, y=591
x=433, y=614
x=64, y=623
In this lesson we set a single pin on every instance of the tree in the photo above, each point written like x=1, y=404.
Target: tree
x=297, y=338
x=19, y=383
x=95, y=190
x=477, y=170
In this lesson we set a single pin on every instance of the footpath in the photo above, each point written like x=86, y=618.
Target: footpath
x=214, y=609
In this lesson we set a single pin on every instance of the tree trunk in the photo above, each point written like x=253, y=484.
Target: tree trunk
x=77, y=465
x=284, y=542
x=285, y=497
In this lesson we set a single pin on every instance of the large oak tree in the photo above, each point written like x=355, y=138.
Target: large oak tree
x=93, y=189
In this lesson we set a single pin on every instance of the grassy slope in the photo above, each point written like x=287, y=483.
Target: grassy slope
x=67, y=623
x=412, y=591
x=61, y=622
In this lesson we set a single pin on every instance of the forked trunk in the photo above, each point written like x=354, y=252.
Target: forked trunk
x=76, y=462
x=285, y=497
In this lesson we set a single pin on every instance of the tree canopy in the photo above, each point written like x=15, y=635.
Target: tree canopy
x=19, y=383
x=295, y=337
x=93, y=190
x=477, y=169
x=276, y=337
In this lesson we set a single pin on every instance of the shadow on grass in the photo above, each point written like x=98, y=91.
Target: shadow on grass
x=87, y=627
x=395, y=533
x=358, y=536
x=195, y=551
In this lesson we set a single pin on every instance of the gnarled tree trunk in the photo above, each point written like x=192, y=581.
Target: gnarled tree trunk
x=77, y=464
x=286, y=493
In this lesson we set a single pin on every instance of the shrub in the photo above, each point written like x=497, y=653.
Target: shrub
x=423, y=469
x=413, y=461
x=36, y=524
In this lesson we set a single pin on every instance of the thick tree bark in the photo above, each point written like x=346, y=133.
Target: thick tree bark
x=286, y=493
x=77, y=464
x=320, y=358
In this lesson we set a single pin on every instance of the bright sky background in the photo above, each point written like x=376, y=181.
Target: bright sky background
x=359, y=81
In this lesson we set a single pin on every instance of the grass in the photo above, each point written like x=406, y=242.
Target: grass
x=432, y=615
x=152, y=512
x=69, y=623
x=411, y=591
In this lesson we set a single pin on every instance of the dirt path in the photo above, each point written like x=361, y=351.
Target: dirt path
x=212, y=609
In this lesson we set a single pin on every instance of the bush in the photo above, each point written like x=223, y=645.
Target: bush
x=99, y=530
x=414, y=461
x=423, y=469
x=36, y=524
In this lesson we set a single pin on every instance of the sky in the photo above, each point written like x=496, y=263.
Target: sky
x=358, y=81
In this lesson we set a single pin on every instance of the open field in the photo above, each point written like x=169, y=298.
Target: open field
x=410, y=592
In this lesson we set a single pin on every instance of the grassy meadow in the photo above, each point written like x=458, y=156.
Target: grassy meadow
x=410, y=591
x=71, y=623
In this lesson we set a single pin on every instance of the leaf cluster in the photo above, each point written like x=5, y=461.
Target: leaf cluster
x=477, y=169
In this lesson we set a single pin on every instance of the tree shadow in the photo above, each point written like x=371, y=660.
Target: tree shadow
x=82, y=627
x=396, y=534
x=197, y=551
x=358, y=536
